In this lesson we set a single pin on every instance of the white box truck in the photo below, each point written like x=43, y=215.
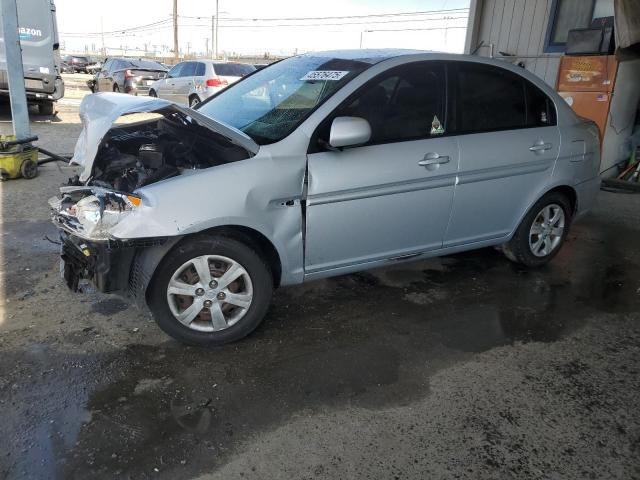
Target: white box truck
x=38, y=31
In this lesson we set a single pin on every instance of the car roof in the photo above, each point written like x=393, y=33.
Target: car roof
x=368, y=55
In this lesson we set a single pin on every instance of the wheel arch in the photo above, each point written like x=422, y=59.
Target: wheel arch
x=567, y=190
x=254, y=239
x=147, y=260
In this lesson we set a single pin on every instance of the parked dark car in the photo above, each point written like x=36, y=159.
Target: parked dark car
x=77, y=64
x=128, y=75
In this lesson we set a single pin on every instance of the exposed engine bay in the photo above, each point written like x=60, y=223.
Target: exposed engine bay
x=117, y=160
x=138, y=154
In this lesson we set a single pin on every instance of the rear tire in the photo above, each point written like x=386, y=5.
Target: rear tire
x=542, y=231
x=116, y=88
x=218, y=318
x=45, y=108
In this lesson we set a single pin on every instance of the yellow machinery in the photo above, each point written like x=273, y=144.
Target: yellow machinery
x=18, y=158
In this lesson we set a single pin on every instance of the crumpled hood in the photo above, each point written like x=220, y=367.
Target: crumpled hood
x=99, y=111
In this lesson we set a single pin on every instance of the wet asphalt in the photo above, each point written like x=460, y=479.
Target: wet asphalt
x=466, y=366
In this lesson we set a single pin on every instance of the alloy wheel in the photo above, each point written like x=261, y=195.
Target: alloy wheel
x=547, y=230
x=210, y=293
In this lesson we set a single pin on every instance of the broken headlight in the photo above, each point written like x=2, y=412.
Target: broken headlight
x=93, y=216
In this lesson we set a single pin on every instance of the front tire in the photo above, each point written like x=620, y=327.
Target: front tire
x=116, y=88
x=210, y=291
x=542, y=231
x=152, y=93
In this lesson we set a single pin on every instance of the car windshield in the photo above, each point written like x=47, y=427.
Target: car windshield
x=272, y=102
x=233, y=69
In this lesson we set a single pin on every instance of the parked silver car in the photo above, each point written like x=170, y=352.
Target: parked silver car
x=319, y=165
x=191, y=82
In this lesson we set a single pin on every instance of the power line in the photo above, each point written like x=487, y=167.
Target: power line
x=339, y=23
x=148, y=26
x=269, y=19
x=168, y=24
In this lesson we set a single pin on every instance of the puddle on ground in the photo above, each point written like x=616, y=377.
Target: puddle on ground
x=368, y=340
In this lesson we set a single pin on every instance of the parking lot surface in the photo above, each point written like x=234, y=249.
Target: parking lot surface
x=466, y=366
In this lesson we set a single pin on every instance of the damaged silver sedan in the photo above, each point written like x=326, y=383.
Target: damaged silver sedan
x=318, y=165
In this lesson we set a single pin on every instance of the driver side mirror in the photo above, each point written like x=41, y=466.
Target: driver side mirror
x=349, y=131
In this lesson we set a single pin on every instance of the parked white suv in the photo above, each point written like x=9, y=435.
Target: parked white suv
x=189, y=83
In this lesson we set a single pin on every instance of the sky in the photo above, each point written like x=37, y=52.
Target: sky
x=244, y=30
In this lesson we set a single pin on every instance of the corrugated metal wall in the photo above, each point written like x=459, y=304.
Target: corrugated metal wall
x=517, y=27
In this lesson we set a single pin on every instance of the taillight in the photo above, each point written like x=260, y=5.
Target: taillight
x=128, y=74
x=216, y=82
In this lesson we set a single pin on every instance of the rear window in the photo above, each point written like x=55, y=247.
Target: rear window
x=150, y=64
x=233, y=69
x=201, y=69
x=81, y=59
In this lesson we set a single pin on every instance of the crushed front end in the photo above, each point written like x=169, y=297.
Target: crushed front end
x=105, y=219
x=89, y=253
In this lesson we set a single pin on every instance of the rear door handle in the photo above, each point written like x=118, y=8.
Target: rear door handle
x=433, y=158
x=540, y=147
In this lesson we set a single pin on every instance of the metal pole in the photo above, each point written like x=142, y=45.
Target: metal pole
x=15, y=70
x=176, y=51
x=102, y=35
x=361, y=32
x=217, y=27
x=213, y=36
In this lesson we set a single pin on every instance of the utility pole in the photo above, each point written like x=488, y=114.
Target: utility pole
x=15, y=70
x=206, y=47
x=102, y=35
x=176, y=51
x=217, y=27
x=213, y=35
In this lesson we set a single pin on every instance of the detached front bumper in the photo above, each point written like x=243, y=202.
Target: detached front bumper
x=106, y=265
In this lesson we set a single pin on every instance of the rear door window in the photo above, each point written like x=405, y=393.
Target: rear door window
x=488, y=98
x=541, y=112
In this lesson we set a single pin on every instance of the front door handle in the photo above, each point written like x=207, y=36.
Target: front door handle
x=433, y=158
x=540, y=147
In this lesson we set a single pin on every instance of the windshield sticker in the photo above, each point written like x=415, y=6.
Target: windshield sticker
x=436, y=126
x=332, y=75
